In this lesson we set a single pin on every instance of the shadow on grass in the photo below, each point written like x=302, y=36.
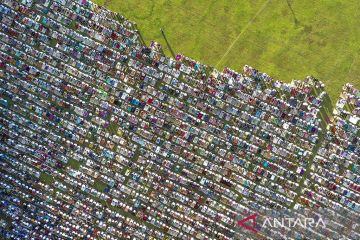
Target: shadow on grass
x=167, y=43
x=141, y=37
x=296, y=21
x=328, y=105
x=326, y=111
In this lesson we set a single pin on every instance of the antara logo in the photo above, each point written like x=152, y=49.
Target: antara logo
x=281, y=222
x=253, y=218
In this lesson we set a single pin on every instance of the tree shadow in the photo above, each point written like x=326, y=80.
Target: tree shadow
x=327, y=110
x=296, y=21
x=140, y=36
x=167, y=43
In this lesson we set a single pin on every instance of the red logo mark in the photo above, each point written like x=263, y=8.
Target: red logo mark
x=253, y=218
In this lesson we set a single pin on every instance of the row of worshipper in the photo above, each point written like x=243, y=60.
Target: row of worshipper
x=156, y=138
x=334, y=182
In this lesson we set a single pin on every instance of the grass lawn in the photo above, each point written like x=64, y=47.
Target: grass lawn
x=74, y=164
x=46, y=178
x=99, y=185
x=287, y=39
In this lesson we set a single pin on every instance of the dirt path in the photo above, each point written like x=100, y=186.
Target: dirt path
x=243, y=31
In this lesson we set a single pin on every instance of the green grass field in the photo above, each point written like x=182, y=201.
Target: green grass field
x=287, y=39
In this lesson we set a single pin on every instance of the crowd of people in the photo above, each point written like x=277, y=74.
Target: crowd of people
x=334, y=181
x=105, y=138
